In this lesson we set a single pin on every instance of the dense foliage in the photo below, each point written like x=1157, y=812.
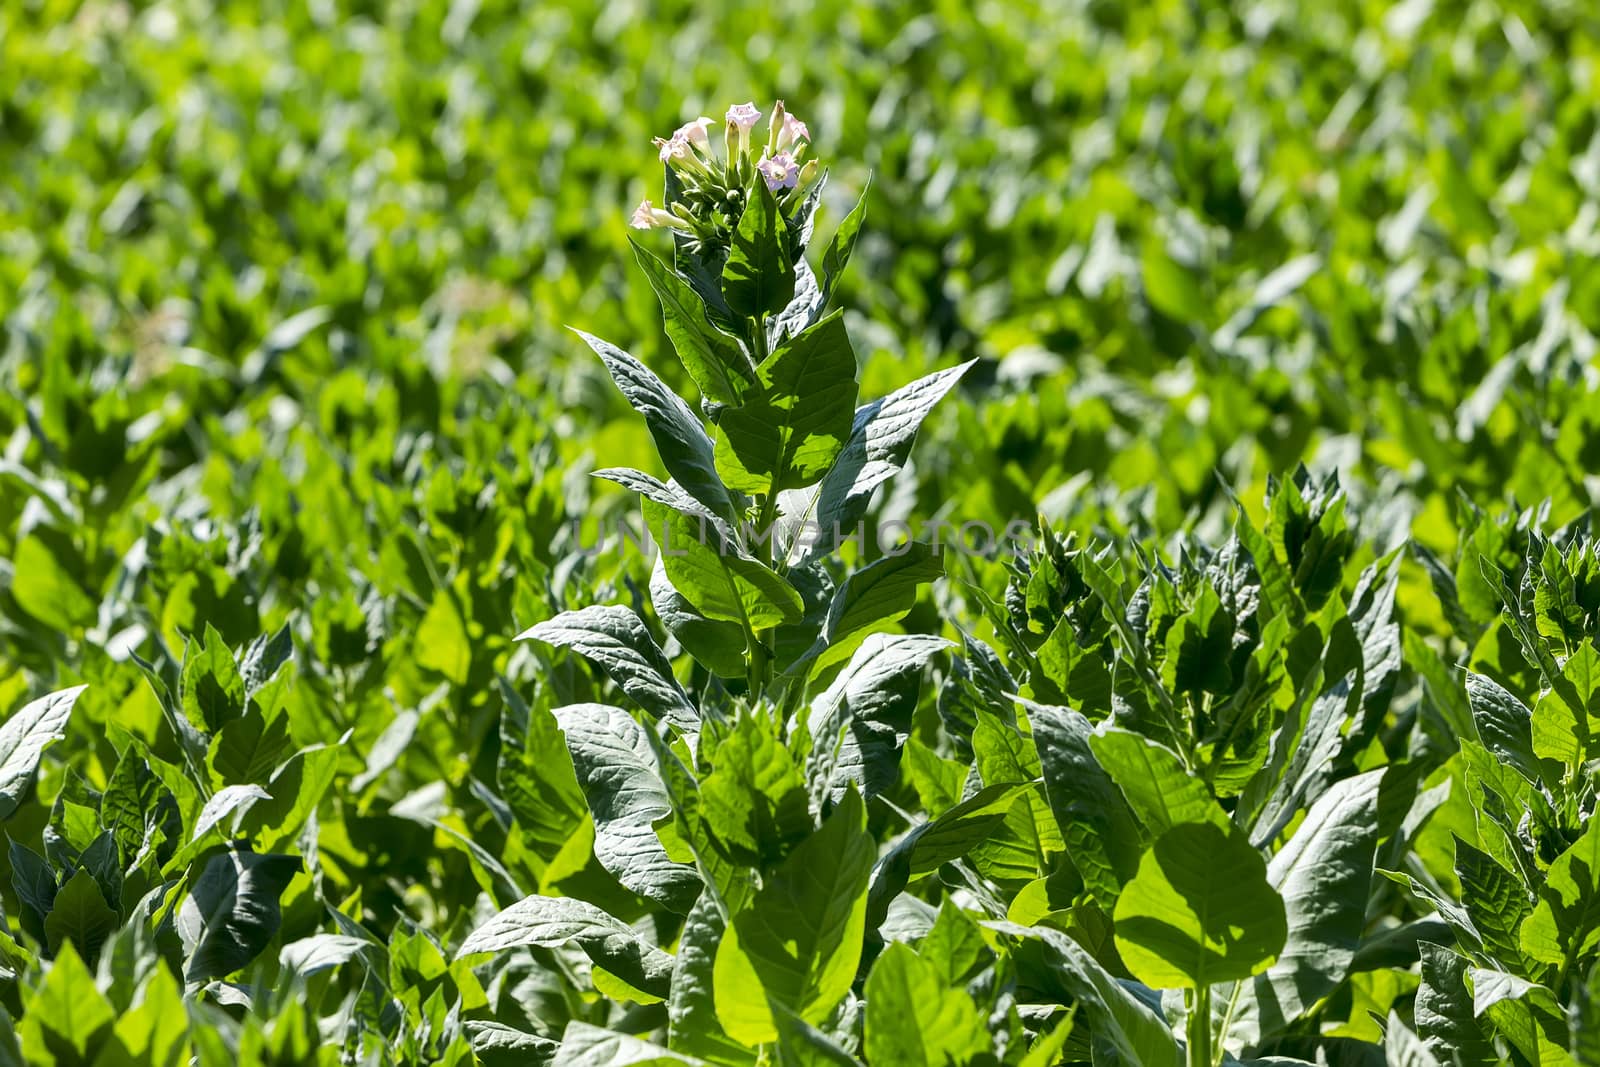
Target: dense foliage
x=1234, y=697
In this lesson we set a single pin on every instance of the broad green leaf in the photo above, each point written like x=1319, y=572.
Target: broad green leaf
x=758, y=278
x=536, y=776
x=584, y=1045
x=704, y=561
x=1199, y=910
x=141, y=812
x=932, y=844
x=1102, y=835
x=881, y=436
x=617, y=769
x=320, y=952
x=1152, y=778
x=882, y=592
x=754, y=800
x=442, y=642
x=1525, y=1013
x=1504, y=724
x=837, y=255
x=211, y=689
x=914, y=1018
x=1566, y=718
x=249, y=749
x=618, y=642
x=954, y=945
x=48, y=584
x=551, y=922
x=23, y=738
x=787, y=434
x=715, y=361
x=1125, y=1028
x=1171, y=286
x=1443, y=1010
x=498, y=1045
x=80, y=915
x=802, y=1045
x=1565, y=923
x=692, y=1005
x=686, y=450
x=799, y=941
x=717, y=646
x=232, y=912
x=156, y=1031
x=1496, y=900
x=67, y=1019
x=1324, y=875
x=859, y=723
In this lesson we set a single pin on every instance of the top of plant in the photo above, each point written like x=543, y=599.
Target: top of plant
x=707, y=193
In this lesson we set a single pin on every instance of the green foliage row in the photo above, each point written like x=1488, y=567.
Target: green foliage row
x=339, y=724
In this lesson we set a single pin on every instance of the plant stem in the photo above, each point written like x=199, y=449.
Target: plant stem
x=1200, y=1029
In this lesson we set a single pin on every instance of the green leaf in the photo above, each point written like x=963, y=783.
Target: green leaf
x=1324, y=874
x=591, y=1046
x=232, y=912
x=692, y=1006
x=1152, y=778
x=799, y=940
x=859, y=723
x=715, y=361
x=915, y=1019
x=788, y=435
x=23, y=739
x=705, y=563
x=1566, y=718
x=837, y=255
x=758, y=278
x=1126, y=1029
x=1199, y=911
x=141, y=812
x=1496, y=900
x=67, y=1020
x=616, y=767
x=1103, y=837
x=1565, y=923
x=442, y=643
x=618, y=642
x=938, y=841
x=320, y=952
x=551, y=922
x=249, y=749
x=212, y=690
x=82, y=916
x=686, y=450
x=883, y=591
x=717, y=646
x=881, y=435
x=1505, y=725
x=47, y=585
x=1444, y=1013
x=754, y=800
x=1171, y=287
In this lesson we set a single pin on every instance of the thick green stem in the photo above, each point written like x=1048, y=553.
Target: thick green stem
x=1200, y=1029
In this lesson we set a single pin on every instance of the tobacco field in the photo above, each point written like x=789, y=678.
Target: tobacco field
x=944, y=534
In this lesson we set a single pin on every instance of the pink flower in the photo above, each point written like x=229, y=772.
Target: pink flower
x=649, y=217
x=694, y=133
x=781, y=171
x=676, y=150
x=793, y=132
x=744, y=116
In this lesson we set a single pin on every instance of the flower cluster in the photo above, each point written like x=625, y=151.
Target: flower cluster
x=712, y=189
